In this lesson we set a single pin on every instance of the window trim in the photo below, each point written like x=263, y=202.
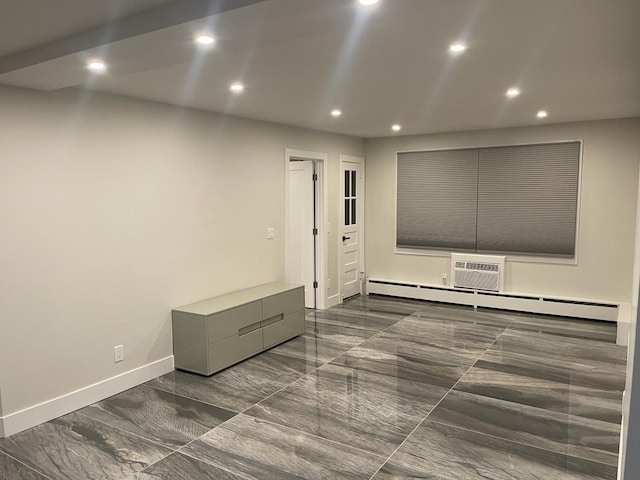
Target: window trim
x=510, y=256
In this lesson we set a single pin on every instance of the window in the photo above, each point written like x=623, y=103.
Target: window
x=513, y=199
x=350, y=197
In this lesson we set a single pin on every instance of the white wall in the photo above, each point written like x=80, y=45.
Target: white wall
x=113, y=211
x=607, y=211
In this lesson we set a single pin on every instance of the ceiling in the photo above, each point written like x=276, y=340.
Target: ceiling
x=299, y=59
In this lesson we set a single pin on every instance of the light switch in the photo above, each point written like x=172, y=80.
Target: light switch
x=271, y=233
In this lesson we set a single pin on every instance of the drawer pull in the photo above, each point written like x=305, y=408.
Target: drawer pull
x=272, y=320
x=248, y=329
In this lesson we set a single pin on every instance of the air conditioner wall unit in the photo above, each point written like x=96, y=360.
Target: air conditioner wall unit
x=477, y=272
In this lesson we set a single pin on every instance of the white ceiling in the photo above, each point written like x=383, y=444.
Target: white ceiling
x=578, y=59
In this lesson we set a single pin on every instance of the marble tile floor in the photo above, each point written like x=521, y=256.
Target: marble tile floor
x=376, y=388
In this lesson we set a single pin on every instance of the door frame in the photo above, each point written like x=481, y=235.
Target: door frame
x=361, y=223
x=320, y=161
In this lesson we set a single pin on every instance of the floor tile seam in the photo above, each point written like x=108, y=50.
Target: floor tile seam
x=377, y=334
x=560, y=412
x=577, y=366
x=470, y=323
x=333, y=342
x=194, y=458
x=187, y=398
x=567, y=415
x=475, y=356
x=291, y=355
x=369, y=313
x=346, y=312
x=299, y=379
x=339, y=325
x=518, y=327
x=575, y=345
x=351, y=347
x=153, y=387
x=127, y=432
x=606, y=328
x=479, y=359
x=564, y=318
x=599, y=338
x=562, y=365
x=317, y=437
x=148, y=466
x=196, y=399
x=24, y=464
x=445, y=395
x=183, y=450
x=578, y=362
x=516, y=442
x=281, y=389
x=423, y=419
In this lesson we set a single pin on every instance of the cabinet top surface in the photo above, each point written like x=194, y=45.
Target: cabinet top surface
x=234, y=299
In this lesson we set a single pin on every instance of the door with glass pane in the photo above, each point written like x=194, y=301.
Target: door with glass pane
x=351, y=172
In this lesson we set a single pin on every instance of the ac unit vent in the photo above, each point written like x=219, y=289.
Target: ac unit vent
x=477, y=272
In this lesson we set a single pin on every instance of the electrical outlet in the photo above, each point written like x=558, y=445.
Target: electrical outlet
x=118, y=353
x=271, y=233
x=444, y=279
x=328, y=283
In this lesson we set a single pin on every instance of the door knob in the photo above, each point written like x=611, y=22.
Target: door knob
x=345, y=238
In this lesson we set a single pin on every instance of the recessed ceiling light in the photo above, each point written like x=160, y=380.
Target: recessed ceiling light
x=96, y=66
x=457, y=47
x=367, y=2
x=513, y=92
x=396, y=127
x=542, y=114
x=236, y=87
x=336, y=113
x=205, y=39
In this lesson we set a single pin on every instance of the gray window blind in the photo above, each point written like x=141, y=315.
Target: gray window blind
x=512, y=199
x=436, y=199
x=528, y=199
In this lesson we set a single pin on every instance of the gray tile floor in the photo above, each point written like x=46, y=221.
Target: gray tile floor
x=377, y=388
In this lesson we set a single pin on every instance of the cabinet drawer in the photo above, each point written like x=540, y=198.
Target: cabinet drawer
x=226, y=324
x=233, y=349
x=288, y=327
x=192, y=359
x=285, y=302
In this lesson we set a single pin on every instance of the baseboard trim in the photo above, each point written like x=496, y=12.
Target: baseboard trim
x=580, y=308
x=56, y=407
x=333, y=300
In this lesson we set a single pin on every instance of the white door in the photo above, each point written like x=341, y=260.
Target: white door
x=301, y=241
x=352, y=188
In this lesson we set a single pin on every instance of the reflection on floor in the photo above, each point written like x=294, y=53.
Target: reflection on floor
x=377, y=388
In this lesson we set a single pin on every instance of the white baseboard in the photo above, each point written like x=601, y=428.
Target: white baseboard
x=580, y=308
x=56, y=407
x=333, y=300
x=625, y=313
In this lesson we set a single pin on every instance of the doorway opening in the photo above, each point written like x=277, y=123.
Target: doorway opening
x=305, y=232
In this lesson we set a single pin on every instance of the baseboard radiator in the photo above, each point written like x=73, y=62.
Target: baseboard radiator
x=498, y=300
